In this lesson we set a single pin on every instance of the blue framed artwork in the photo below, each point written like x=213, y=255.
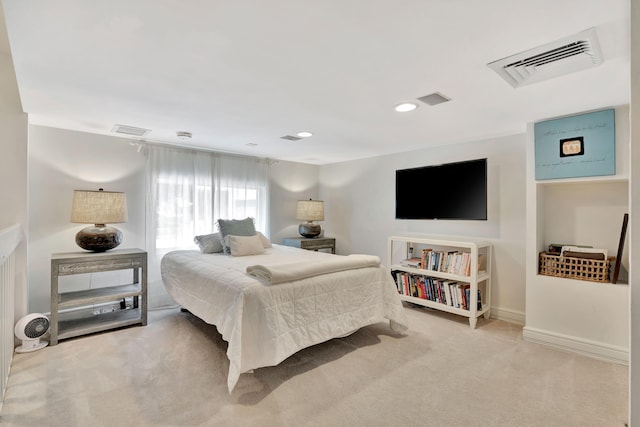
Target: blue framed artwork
x=577, y=146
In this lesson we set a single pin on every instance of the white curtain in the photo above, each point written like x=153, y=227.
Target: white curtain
x=188, y=191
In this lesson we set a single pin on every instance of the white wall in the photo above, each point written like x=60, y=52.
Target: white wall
x=360, y=201
x=13, y=164
x=62, y=160
x=289, y=182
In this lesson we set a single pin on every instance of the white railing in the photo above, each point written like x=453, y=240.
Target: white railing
x=9, y=240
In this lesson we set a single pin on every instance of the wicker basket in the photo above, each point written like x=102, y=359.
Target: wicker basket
x=575, y=268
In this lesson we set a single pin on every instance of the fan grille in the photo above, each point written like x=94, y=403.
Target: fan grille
x=37, y=327
x=570, y=54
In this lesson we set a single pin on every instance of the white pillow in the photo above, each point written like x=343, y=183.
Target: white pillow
x=265, y=241
x=244, y=245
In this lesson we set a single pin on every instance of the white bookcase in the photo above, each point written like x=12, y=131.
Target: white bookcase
x=479, y=278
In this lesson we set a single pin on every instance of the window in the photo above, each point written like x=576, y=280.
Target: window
x=188, y=191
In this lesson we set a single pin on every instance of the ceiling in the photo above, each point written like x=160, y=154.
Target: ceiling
x=239, y=75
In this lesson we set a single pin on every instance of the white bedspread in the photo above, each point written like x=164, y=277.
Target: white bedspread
x=264, y=324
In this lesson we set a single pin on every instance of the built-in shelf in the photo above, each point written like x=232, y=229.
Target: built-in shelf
x=579, y=315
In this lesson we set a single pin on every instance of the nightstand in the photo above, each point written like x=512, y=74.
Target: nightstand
x=312, y=244
x=65, y=264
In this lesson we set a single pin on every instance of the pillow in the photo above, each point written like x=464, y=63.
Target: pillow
x=265, y=241
x=244, y=245
x=209, y=243
x=235, y=227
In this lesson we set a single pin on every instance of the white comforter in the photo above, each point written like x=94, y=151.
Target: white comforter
x=266, y=323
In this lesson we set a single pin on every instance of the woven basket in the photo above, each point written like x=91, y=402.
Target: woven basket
x=575, y=268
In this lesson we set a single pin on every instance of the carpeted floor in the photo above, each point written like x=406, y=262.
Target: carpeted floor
x=173, y=371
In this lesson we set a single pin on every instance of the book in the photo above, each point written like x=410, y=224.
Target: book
x=412, y=262
x=584, y=255
x=468, y=297
x=454, y=294
x=557, y=247
x=447, y=292
x=462, y=289
x=425, y=257
x=581, y=252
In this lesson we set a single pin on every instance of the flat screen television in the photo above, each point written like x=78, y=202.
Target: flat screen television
x=455, y=191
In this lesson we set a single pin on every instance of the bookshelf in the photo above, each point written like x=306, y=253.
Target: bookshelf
x=457, y=277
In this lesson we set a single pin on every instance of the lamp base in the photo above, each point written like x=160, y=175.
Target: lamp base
x=309, y=229
x=99, y=238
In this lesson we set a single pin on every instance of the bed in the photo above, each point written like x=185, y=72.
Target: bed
x=265, y=322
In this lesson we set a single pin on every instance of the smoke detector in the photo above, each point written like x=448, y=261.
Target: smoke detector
x=567, y=55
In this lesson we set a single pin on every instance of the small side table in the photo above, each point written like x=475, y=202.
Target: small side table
x=65, y=264
x=312, y=244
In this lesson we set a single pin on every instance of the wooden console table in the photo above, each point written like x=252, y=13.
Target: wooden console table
x=65, y=264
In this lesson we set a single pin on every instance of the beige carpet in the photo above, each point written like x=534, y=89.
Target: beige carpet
x=173, y=373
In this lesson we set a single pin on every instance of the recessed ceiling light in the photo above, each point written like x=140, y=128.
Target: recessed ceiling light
x=251, y=144
x=304, y=134
x=183, y=135
x=407, y=106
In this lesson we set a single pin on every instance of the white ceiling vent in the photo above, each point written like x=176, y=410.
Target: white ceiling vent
x=291, y=138
x=434, y=98
x=564, y=56
x=130, y=130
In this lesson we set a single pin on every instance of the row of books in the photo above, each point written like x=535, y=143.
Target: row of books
x=446, y=292
x=452, y=262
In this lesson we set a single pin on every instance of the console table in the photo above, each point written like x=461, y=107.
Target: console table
x=312, y=244
x=64, y=264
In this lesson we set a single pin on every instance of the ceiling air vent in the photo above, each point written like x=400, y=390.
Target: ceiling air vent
x=291, y=138
x=130, y=130
x=434, y=98
x=564, y=56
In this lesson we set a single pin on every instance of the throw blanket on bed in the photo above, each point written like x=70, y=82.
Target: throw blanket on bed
x=301, y=270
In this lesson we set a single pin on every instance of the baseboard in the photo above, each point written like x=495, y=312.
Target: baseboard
x=589, y=348
x=511, y=316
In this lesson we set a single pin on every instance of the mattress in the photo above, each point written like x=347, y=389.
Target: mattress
x=266, y=323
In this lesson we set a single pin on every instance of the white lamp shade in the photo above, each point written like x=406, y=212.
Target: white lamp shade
x=310, y=210
x=98, y=207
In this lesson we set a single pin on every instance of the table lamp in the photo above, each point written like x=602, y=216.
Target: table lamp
x=98, y=208
x=310, y=210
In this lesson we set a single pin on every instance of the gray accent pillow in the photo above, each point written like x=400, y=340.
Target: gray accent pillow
x=235, y=227
x=209, y=243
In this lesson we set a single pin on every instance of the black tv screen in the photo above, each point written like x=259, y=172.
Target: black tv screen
x=447, y=191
